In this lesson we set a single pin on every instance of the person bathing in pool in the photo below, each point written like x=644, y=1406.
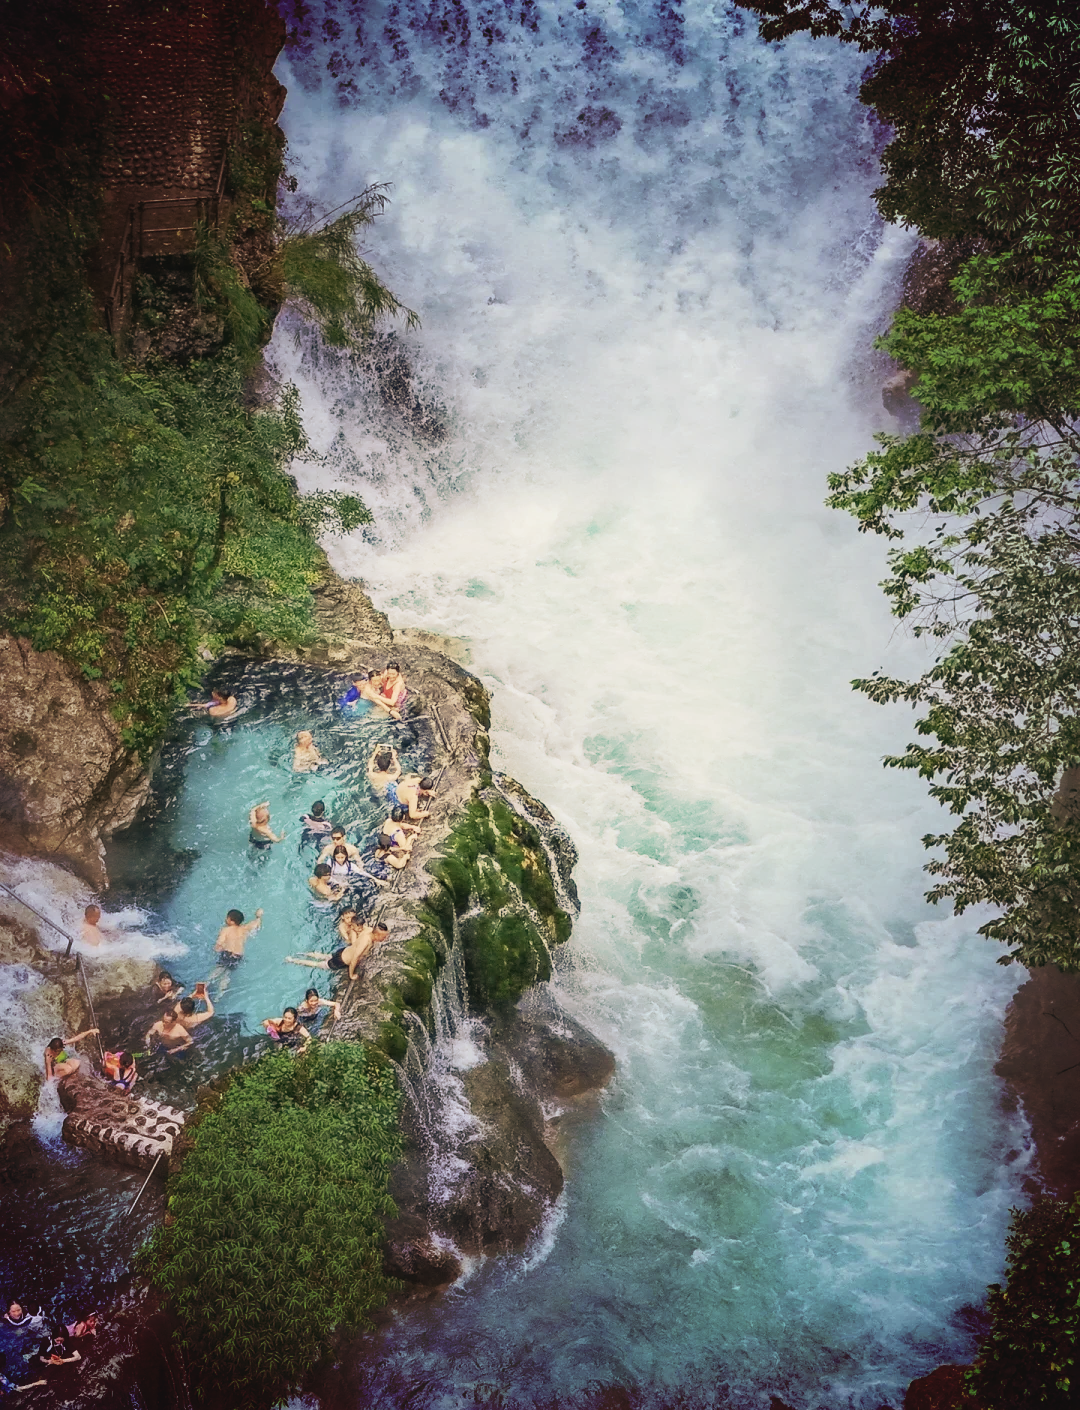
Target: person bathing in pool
x=391, y=688
x=316, y=824
x=409, y=792
x=91, y=932
x=323, y=887
x=365, y=687
x=306, y=756
x=58, y=1061
x=384, y=769
x=218, y=707
x=288, y=1030
x=185, y=1009
x=170, y=1033
x=230, y=944
x=262, y=834
x=337, y=839
x=311, y=1009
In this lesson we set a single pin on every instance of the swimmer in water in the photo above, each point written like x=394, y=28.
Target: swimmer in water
x=218, y=707
x=58, y=1061
x=164, y=989
x=91, y=932
x=310, y=1010
x=322, y=887
x=262, y=834
x=306, y=757
x=391, y=688
x=316, y=823
x=288, y=1030
x=170, y=1033
x=384, y=768
x=230, y=944
x=337, y=839
x=185, y=1009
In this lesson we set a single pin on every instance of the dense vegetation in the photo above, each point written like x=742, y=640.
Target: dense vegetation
x=275, y=1240
x=980, y=506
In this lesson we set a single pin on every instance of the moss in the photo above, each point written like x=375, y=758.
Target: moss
x=495, y=881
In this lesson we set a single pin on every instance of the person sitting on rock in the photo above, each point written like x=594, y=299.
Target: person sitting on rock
x=311, y=1008
x=170, y=1033
x=384, y=768
x=322, y=887
x=185, y=1009
x=119, y=1071
x=316, y=824
x=337, y=839
x=58, y=1061
x=91, y=932
x=7, y=1386
x=218, y=707
x=306, y=756
x=288, y=1030
x=261, y=834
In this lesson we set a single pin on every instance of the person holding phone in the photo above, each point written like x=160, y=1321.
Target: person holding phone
x=185, y=1009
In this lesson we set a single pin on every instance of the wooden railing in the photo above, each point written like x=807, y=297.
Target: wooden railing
x=176, y=236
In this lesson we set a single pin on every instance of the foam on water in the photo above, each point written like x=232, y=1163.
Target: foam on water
x=645, y=254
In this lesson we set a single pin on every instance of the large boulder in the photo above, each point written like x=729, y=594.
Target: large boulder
x=67, y=781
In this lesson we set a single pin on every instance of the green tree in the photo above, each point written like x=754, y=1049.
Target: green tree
x=277, y=1224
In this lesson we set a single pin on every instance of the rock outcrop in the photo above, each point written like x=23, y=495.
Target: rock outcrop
x=128, y=1130
x=67, y=781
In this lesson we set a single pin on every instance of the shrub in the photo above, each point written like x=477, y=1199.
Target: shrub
x=278, y=1215
x=1029, y=1356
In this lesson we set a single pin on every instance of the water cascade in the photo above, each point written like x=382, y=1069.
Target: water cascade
x=649, y=270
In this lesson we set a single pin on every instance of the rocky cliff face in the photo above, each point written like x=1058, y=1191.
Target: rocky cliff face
x=67, y=781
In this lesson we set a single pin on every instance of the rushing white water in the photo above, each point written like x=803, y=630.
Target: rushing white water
x=645, y=255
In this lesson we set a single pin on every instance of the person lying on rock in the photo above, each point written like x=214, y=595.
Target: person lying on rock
x=170, y=1033
x=407, y=794
x=58, y=1061
x=396, y=827
x=322, y=887
x=185, y=1009
x=91, y=932
x=288, y=1030
x=388, y=852
x=230, y=943
x=316, y=824
x=119, y=1071
x=311, y=1009
x=218, y=707
x=338, y=839
x=306, y=756
x=358, y=939
x=7, y=1387
x=260, y=833
x=384, y=767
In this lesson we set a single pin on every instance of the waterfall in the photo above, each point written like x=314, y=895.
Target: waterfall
x=649, y=269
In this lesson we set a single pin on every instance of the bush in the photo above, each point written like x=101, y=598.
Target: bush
x=278, y=1215
x=1029, y=1357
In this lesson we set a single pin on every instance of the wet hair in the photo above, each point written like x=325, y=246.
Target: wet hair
x=381, y=925
x=427, y=784
x=311, y=994
x=392, y=666
x=322, y=869
x=342, y=849
x=235, y=917
x=318, y=808
x=92, y=907
x=385, y=842
x=291, y=1010
x=126, y=1060
x=187, y=1005
x=217, y=695
x=336, y=829
x=383, y=759
x=55, y=1045
x=164, y=975
x=360, y=676
x=399, y=814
